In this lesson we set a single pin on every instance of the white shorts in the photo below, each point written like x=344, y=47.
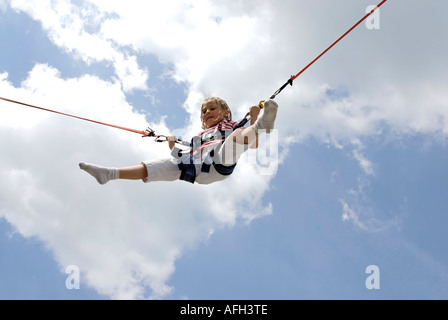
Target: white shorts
x=168, y=170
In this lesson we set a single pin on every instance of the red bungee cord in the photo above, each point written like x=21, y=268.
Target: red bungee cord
x=294, y=77
x=144, y=133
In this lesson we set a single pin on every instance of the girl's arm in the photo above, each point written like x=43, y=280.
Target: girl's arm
x=254, y=111
x=172, y=142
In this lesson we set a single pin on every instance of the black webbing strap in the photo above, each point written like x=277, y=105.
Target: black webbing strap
x=246, y=118
x=290, y=82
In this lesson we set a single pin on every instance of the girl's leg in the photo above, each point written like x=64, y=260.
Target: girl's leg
x=134, y=173
x=103, y=174
x=155, y=170
x=234, y=146
x=248, y=136
x=241, y=139
x=265, y=122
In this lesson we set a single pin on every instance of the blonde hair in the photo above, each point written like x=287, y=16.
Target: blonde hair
x=221, y=103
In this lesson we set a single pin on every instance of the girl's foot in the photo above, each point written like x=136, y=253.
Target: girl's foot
x=101, y=174
x=267, y=120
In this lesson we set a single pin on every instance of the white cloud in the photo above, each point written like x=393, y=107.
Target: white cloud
x=75, y=29
x=365, y=164
x=364, y=218
x=4, y=4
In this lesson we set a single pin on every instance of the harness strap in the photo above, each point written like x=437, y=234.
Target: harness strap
x=188, y=169
x=221, y=169
x=224, y=170
x=289, y=82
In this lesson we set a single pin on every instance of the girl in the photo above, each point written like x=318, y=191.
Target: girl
x=214, y=152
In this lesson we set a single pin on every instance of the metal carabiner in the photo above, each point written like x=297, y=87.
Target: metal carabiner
x=150, y=133
x=161, y=139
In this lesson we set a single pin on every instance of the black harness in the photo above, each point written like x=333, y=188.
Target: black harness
x=187, y=166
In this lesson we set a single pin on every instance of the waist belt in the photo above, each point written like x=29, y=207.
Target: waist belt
x=188, y=170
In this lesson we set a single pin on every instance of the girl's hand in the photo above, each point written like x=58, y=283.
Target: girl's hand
x=172, y=142
x=254, y=111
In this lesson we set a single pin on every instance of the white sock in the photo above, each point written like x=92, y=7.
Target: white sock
x=101, y=174
x=267, y=119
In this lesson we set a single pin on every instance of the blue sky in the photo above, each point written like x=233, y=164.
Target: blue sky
x=362, y=177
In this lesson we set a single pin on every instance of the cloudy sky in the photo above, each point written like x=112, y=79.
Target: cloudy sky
x=362, y=175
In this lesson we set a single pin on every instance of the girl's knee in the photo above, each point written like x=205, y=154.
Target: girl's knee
x=244, y=136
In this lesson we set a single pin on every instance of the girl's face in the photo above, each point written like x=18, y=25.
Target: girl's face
x=212, y=114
